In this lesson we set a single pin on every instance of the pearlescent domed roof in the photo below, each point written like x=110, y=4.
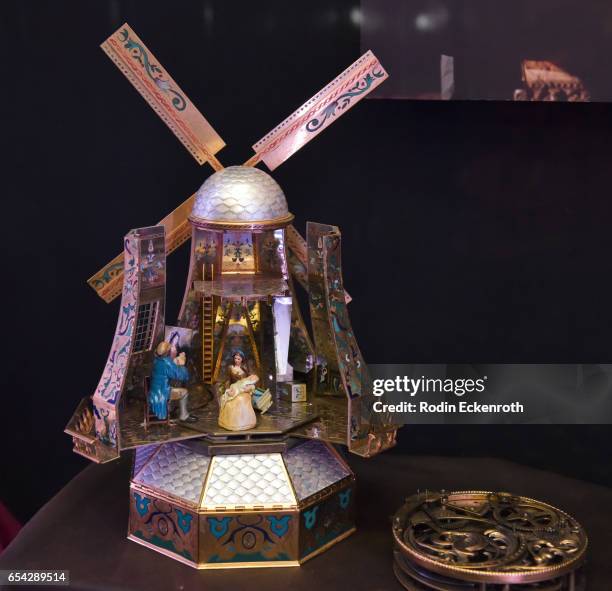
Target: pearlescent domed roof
x=240, y=194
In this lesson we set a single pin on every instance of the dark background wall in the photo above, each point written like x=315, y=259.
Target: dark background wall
x=473, y=232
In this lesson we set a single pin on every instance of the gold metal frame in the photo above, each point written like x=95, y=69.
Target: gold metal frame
x=251, y=334
x=223, y=337
x=246, y=225
x=491, y=575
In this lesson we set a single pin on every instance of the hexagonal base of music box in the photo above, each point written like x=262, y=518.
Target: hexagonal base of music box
x=210, y=508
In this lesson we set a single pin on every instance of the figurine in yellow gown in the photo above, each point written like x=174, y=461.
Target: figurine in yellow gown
x=236, y=411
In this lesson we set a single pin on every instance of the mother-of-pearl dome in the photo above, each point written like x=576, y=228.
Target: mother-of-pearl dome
x=240, y=194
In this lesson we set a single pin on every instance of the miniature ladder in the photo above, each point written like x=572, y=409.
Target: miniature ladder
x=208, y=323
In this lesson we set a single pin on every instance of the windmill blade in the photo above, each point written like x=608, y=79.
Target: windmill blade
x=167, y=99
x=288, y=137
x=347, y=89
x=164, y=95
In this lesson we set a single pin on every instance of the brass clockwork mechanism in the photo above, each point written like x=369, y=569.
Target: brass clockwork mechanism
x=486, y=541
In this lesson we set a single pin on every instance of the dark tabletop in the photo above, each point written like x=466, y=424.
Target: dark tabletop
x=84, y=528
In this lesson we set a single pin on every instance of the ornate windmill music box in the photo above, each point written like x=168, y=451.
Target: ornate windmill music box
x=234, y=410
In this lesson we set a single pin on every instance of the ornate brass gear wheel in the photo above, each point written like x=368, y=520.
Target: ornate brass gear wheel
x=475, y=540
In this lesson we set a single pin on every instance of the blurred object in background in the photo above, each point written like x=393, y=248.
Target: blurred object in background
x=549, y=50
x=545, y=81
x=447, y=77
x=9, y=527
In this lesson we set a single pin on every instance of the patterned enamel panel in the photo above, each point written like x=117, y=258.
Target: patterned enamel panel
x=111, y=382
x=249, y=537
x=312, y=467
x=177, y=470
x=326, y=520
x=343, y=368
x=142, y=455
x=162, y=524
x=144, y=270
x=248, y=480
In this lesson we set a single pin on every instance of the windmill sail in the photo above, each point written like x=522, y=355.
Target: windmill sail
x=320, y=111
x=163, y=94
x=135, y=61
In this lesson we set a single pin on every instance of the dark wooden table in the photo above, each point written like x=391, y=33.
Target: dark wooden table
x=83, y=529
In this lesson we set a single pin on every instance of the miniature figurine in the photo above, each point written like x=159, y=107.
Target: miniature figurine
x=240, y=396
x=239, y=367
x=236, y=407
x=165, y=369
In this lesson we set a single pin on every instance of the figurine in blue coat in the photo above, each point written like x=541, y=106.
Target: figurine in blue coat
x=165, y=368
